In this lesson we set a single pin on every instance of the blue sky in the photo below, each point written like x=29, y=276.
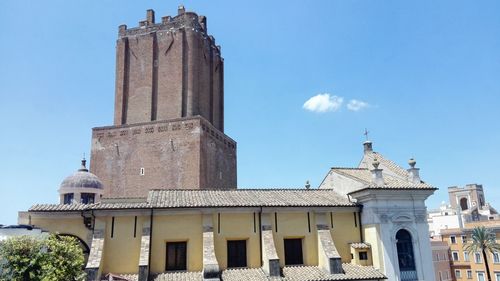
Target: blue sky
x=428, y=70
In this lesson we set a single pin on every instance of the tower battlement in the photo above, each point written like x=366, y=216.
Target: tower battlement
x=183, y=20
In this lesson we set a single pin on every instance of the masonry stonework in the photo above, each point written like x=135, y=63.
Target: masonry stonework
x=186, y=153
x=169, y=112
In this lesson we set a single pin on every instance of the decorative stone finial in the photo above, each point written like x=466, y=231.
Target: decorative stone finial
x=308, y=185
x=375, y=163
x=412, y=162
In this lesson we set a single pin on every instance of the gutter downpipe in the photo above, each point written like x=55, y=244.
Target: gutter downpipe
x=260, y=236
x=150, y=242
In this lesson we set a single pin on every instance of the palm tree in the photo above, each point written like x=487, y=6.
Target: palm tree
x=483, y=240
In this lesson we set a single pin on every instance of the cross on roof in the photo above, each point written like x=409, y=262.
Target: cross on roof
x=366, y=133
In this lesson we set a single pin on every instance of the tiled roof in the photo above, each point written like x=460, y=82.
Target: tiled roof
x=247, y=274
x=179, y=276
x=360, y=245
x=367, y=160
x=291, y=273
x=395, y=177
x=314, y=273
x=247, y=198
x=182, y=198
x=59, y=207
x=364, y=176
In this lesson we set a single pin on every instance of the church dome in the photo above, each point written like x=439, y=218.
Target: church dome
x=82, y=179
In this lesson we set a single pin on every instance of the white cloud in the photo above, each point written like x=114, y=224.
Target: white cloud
x=323, y=103
x=357, y=105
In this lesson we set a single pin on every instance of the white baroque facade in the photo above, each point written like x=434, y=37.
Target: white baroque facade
x=394, y=214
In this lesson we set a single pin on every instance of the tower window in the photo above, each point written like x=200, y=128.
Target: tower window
x=141, y=172
x=176, y=256
x=237, y=253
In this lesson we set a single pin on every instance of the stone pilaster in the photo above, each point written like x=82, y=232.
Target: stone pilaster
x=270, y=259
x=93, y=268
x=329, y=258
x=144, y=255
x=211, y=269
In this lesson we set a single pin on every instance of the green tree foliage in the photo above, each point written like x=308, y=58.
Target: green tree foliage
x=483, y=241
x=54, y=258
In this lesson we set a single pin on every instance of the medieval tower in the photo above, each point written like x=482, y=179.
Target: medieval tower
x=168, y=130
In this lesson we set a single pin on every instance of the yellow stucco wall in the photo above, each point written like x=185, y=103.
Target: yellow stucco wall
x=356, y=260
x=177, y=228
x=237, y=226
x=73, y=226
x=294, y=225
x=345, y=231
x=371, y=233
x=121, y=252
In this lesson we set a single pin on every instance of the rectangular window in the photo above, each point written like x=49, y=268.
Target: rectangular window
x=87, y=198
x=496, y=257
x=363, y=256
x=237, y=253
x=293, y=252
x=477, y=257
x=453, y=239
x=464, y=239
x=469, y=274
x=176, y=256
x=68, y=198
x=466, y=256
x=458, y=273
x=454, y=254
x=480, y=276
x=497, y=276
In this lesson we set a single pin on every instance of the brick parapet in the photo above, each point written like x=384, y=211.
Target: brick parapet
x=163, y=126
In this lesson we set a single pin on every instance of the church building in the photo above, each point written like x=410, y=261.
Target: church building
x=160, y=201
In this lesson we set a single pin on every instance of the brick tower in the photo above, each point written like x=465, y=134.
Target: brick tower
x=169, y=111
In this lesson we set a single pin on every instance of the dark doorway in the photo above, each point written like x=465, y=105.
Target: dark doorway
x=293, y=251
x=406, y=258
x=237, y=253
x=176, y=256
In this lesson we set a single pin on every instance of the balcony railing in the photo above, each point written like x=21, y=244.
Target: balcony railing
x=410, y=275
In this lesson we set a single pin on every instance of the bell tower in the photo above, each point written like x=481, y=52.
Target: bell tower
x=169, y=111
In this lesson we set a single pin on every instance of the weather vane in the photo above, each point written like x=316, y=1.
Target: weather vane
x=366, y=134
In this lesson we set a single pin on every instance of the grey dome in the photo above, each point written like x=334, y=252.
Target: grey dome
x=82, y=179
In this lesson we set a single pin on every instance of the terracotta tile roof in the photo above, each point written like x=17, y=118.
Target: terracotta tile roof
x=177, y=198
x=364, y=176
x=59, y=207
x=360, y=245
x=247, y=198
x=314, y=273
x=247, y=274
x=179, y=276
x=292, y=273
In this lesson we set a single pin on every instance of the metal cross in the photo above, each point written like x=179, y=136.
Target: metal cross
x=366, y=133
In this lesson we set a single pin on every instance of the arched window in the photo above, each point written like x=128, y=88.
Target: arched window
x=406, y=258
x=463, y=204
